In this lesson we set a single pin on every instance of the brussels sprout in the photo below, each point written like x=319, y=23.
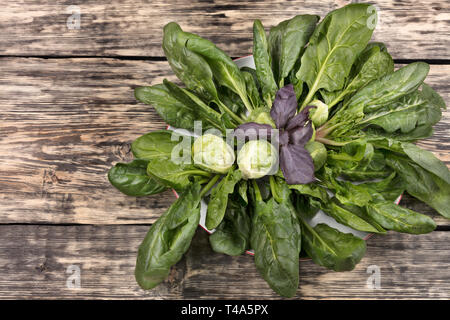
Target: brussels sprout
x=318, y=153
x=318, y=115
x=261, y=115
x=212, y=153
x=257, y=158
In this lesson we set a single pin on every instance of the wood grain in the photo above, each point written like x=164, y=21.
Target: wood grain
x=34, y=261
x=412, y=30
x=65, y=122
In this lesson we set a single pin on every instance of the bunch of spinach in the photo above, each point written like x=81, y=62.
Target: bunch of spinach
x=347, y=122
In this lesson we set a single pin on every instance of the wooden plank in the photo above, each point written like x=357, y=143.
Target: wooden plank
x=37, y=262
x=412, y=30
x=65, y=122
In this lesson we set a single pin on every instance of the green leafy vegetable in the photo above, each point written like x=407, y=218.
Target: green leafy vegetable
x=219, y=198
x=331, y=248
x=333, y=48
x=423, y=184
x=286, y=42
x=393, y=217
x=173, y=175
x=390, y=87
x=168, y=239
x=155, y=145
x=232, y=236
x=275, y=240
x=263, y=64
x=132, y=179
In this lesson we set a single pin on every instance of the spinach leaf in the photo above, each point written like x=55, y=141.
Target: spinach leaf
x=232, y=236
x=202, y=110
x=393, y=217
x=311, y=189
x=331, y=248
x=191, y=68
x=389, y=88
x=286, y=42
x=173, y=175
x=274, y=47
x=371, y=166
x=225, y=71
x=404, y=114
x=242, y=190
x=156, y=145
x=252, y=89
x=420, y=132
x=422, y=184
x=275, y=238
x=333, y=48
x=345, y=191
x=357, y=153
x=361, y=213
x=389, y=188
x=132, y=179
x=370, y=65
x=426, y=160
x=263, y=63
x=198, y=72
x=171, y=110
x=219, y=198
x=432, y=96
x=305, y=205
x=364, y=174
x=347, y=217
x=166, y=241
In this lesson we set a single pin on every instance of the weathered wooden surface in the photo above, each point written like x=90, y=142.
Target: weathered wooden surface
x=36, y=263
x=65, y=122
x=411, y=29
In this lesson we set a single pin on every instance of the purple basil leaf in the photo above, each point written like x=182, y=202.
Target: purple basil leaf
x=284, y=138
x=301, y=135
x=253, y=131
x=284, y=106
x=296, y=164
x=299, y=119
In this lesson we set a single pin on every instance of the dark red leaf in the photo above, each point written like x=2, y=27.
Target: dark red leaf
x=284, y=106
x=299, y=119
x=301, y=135
x=284, y=138
x=296, y=164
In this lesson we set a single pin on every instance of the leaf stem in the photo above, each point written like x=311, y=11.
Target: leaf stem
x=247, y=103
x=273, y=189
x=331, y=142
x=258, y=196
x=203, y=180
x=210, y=184
x=231, y=113
x=323, y=131
x=337, y=99
x=197, y=172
